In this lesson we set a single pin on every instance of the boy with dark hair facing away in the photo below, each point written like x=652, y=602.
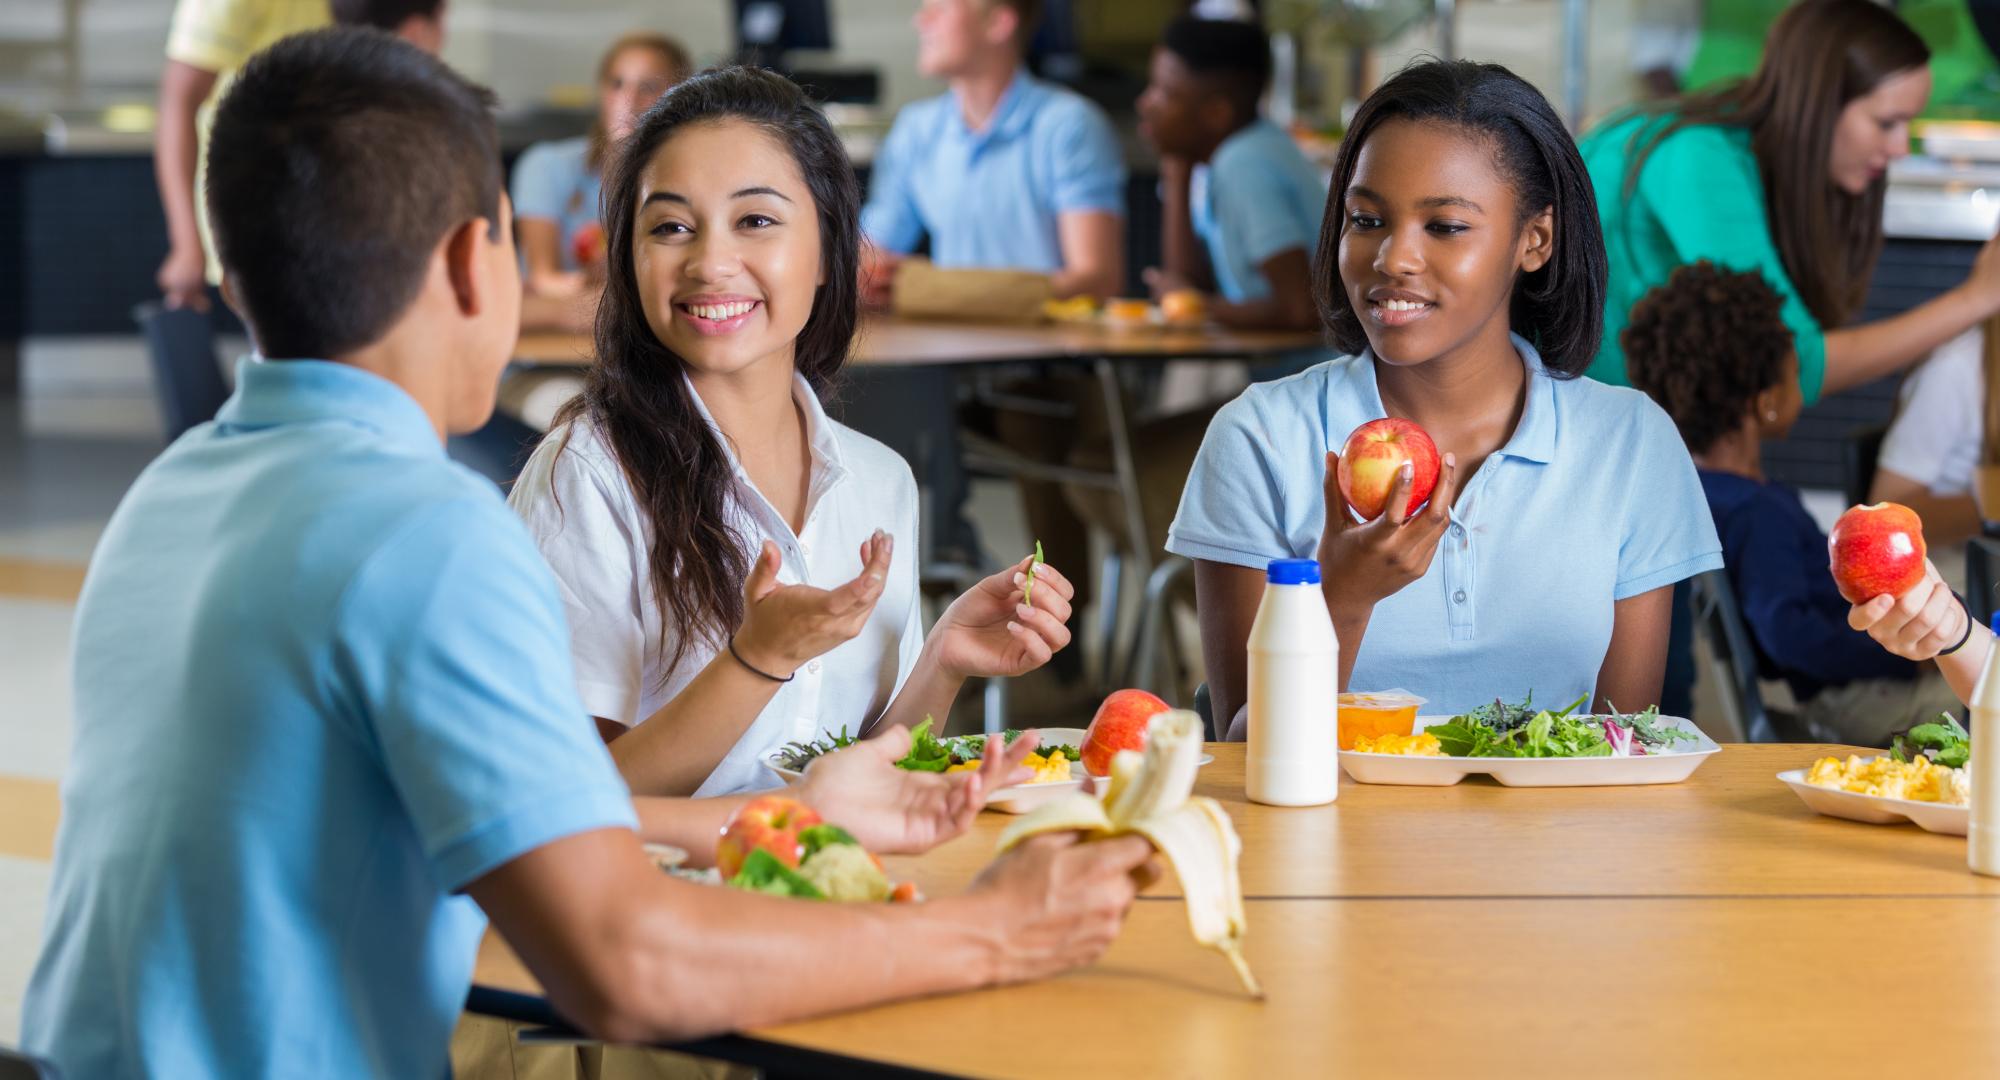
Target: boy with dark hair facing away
x=1241, y=206
x=1710, y=347
x=325, y=714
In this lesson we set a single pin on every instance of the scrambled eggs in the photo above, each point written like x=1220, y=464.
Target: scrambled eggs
x=1917, y=781
x=1423, y=744
x=1048, y=770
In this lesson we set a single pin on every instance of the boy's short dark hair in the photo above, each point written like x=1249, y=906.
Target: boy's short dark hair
x=1704, y=345
x=1028, y=13
x=338, y=160
x=382, y=14
x=1234, y=56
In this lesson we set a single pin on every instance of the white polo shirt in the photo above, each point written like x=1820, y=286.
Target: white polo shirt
x=1940, y=419
x=581, y=512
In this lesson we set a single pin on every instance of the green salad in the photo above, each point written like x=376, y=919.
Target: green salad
x=928, y=753
x=1503, y=730
x=1944, y=740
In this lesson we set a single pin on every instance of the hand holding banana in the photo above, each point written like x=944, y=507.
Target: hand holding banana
x=1150, y=794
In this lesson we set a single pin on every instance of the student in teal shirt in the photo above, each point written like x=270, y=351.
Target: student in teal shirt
x=1784, y=174
x=326, y=722
x=1241, y=205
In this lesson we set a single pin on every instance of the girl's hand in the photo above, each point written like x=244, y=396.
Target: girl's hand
x=990, y=632
x=786, y=625
x=1917, y=625
x=1161, y=282
x=896, y=811
x=1361, y=565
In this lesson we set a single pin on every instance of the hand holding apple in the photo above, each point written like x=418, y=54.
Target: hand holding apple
x=1876, y=551
x=1120, y=724
x=1362, y=564
x=1374, y=453
x=766, y=823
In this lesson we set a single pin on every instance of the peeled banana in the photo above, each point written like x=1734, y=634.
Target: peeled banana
x=1151, y=794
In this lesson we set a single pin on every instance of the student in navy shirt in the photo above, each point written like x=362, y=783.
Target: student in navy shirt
x=1711, y=348
x=326, y=721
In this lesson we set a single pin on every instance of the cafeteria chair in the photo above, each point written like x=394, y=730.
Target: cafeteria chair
x=1982, y=563
x=1204, y=707
x=1858, y=455
x=19, y=1065
x=187, y=379
x=1719, y=623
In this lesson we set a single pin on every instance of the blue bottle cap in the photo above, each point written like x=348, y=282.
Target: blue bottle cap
x=1293, y=572
x=1995, y=627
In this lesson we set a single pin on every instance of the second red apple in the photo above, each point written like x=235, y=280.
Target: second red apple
x=1368, y=464
x=1120, y=724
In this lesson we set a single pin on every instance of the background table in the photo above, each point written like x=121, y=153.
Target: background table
x=1715, y=927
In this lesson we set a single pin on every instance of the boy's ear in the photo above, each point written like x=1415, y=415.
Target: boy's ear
x=1538, y=240
x=464, y=250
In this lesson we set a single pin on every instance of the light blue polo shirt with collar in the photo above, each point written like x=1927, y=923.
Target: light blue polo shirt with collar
x=1591, y=501
x=1255, y=197
x=322, y=684
x=990, y=198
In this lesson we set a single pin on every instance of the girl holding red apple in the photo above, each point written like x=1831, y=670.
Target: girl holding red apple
x=1461, y=267
x=1929, y=623
x=739, y=570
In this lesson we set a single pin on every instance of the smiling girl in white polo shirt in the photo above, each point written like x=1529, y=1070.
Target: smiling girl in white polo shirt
x=739, y=570
x=1460, y=262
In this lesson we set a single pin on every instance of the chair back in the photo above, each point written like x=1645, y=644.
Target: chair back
x=1858, y=456
x=187, y=381
x=1720, y=624
x=19, y=1065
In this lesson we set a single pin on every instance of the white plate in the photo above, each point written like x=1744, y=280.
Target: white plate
x=1670, y=767
x=1877, y=810
x=1020, y=798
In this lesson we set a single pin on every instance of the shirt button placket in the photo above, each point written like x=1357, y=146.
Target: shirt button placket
x=1458, y=582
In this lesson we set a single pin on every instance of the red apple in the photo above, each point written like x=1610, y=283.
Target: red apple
x=587, y=246
x=770, y=822
x=1875, y=550
x=1120, y=724
x=1368, y=464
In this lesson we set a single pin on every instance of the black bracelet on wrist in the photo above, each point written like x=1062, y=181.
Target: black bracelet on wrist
x=1967, y=636
x=760, y=673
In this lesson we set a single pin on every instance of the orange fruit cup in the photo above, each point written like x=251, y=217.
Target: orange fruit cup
x=1388, y=712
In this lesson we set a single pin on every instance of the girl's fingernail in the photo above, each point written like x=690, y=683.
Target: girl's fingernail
x=1014, y=626
x=1023, y=610
x=1020, y=578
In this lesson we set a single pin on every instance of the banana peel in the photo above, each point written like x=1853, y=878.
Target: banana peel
x=1151, y=794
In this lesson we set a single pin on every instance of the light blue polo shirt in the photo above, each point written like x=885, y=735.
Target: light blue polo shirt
x=322, y=684
x=553, y=181
x=1256, y=196
x=1594, y=499
x=989, y=198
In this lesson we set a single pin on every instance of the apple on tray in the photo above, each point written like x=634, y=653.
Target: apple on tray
x=1373, y=454
x=1120, y=724
x=769, y=822
x=1876, y=549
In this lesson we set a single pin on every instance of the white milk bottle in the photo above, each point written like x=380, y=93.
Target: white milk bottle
x=1293, y=755
x=1982, y=841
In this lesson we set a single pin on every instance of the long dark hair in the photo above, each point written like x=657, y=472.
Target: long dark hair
x=1820, y=55
x=636, y=393
x=1558, y=308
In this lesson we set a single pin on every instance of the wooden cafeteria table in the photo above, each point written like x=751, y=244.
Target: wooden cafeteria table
x=1711, y=928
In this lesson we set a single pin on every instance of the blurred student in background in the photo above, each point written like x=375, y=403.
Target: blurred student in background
x=207, y=42
x=1711, y=346
x=1241, y=205
x=555, y=183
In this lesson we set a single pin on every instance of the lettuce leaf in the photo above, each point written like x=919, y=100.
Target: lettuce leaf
x=762, y=872
x=926, y=754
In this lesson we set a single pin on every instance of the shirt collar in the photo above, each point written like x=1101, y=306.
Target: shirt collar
x=1534, y=438
x=820, y=439
x=1010, y=114
x=270, y=393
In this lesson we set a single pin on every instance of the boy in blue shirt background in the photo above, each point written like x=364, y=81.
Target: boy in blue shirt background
x=1241, y=206
x=326, y=722
x=1710, y=347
